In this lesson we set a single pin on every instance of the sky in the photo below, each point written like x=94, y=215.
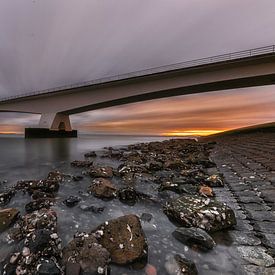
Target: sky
x=46, y=44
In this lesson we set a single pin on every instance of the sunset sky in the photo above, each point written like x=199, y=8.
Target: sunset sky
x=45, y=44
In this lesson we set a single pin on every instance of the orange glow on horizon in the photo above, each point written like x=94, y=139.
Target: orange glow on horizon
x=182, y=133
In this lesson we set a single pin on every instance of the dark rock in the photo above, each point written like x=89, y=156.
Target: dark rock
x=71, y=201
x=215, y=181
x=101, y=172
x=6, y=196
x=47, y=186
x=85, y=250
x=81, y=163
x=56, y=176
x=7, y=217
x=180, y=265
x=195, y=211
x=38, y=204
x=102, y=188
x=72, y=268
x=40, y=219
x=77, y=178
x=155, y=165
x=194, y=236
x=127, y=247
x=41, y=195
x=127, y=195
x=92, y=208
x=47, y=267
x=146, y=217
x=91, y=154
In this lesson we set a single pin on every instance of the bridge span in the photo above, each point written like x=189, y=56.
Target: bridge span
x=254, y=67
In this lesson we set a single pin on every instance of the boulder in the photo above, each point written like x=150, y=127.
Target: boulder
x=91, y=154
x=196, y=211
x=56, y=176
x=86, y=254
x=7, y=217
x=38, y=204
x=125, y=240
x=194, y=236
x=71, y=201
x=127, y=195
x=6, y=196
x=48, y=186
x=102, y=188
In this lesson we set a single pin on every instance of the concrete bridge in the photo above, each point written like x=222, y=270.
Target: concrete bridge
x=254, y=67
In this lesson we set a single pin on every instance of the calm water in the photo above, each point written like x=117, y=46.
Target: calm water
x=33, y=159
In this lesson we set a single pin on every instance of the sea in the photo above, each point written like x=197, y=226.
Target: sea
x=25, y=159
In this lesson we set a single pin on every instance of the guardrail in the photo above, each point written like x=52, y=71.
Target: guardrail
x=176, y=66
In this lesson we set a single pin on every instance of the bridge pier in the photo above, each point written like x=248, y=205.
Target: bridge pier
x=52, y=125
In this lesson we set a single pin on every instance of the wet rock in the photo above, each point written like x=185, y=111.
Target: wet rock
x=92, y=208
x=176, y=164
x=214, y=181
x=127, y=247
x=81, y=163
x=77, y=178
x=256, y=270
x=47, y=186
x=194, y=236
x=146, y=217
x=56, y=176
x=7, y=217
x=127, y=195
x=71, y=201
x=85, y=250
x=38, y=204
x=48, y=267
x=41, y=195
x=206, y=191
x=155, y=165
x=91, y=154
x=101, y=172
x=195, y=211
x=102, y=188
x=256, y=255
x=39, y=253
x=40, y=219
x=180, y=265
x=6, y=196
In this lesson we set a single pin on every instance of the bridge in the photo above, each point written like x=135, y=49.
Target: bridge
x=254, y=67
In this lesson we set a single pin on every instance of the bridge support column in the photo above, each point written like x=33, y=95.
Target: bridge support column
x=52, y=125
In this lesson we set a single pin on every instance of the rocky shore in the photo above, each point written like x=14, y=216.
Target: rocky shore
x=177, y=180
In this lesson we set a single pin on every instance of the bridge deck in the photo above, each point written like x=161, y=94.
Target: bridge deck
x=229, y=57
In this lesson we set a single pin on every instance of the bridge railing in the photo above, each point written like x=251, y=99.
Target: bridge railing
x=176, y=66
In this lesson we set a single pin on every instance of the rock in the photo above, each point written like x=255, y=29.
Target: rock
x=127, y=195
x=71, y=201
x=81, y=163
x=155, y=165
x=85, y=250
x=195, y=211
x=47, y=267
x=92, y=208
x=206, y=191
x=176, y=164
x=91, y=154
x=179, y=265
x=39, y=253
x=102, y=188
x=194, y=236
x=56, y=176
x=40, y=219
x=256, y=255
x=47, y=186
x=7, y=217
x=77, y=178
x=101, y=172
x=6, y=196
x=72, y=268
x=41, y=195
x=127, y=247
x=150, y=270
x=146, y=217
x=215, y=181
x=38, y=204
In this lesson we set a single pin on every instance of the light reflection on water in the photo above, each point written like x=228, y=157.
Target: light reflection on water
x=34, y=158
